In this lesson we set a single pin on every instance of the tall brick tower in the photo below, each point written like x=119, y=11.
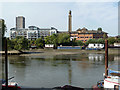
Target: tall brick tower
x=69, y=22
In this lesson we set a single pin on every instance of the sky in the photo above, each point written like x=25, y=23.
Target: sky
x=90, y=15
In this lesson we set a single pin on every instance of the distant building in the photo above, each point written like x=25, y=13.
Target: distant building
x=85, y=34
x=96, y=45
x=117, y=44
x=20, y=22
x=49, y=45
x=32, y=32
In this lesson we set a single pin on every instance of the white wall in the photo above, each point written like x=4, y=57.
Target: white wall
x=49, y=45
x=95, y=45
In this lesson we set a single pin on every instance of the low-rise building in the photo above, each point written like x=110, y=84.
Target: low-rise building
x=49, y=45
x=95, y=45
x=117, y=44
x=85, y=34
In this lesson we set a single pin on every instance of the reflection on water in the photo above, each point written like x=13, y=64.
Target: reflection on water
x=82, y=70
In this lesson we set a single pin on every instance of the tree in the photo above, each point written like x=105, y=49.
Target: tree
x=104, y=36
x=31, y=42
x=10, y=44
x=91, y=41
x=2, y=27
x=102, y=41
x=99, y=29
x=39, y=43
x=111, y=40
x=79, y=43
x=118, y=40
x=21, y=43
x=54, y=38
x=64, y=39
x=48, y=40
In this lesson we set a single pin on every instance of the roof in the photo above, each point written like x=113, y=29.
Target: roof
x=84, y=30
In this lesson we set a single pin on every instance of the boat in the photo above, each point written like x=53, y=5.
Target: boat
x=11, y=84
x=112, y=81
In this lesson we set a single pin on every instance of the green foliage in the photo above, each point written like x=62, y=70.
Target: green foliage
x=48, y=40
x=10, y=44
x=31, y=43
x=111, y=40
x=2, y=27
x=118, y=40
x=91, y=41
x=39, y=43
x=64, y=39
x=79, y=43
x=2, y=30
x=99, y=29
x=104, y=36
x=21, y=43
x=102, y=41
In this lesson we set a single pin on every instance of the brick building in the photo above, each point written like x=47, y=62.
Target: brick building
x=85, y=34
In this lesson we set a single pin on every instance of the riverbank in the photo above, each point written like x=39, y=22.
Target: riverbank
x=37, y=52
x=45, y=52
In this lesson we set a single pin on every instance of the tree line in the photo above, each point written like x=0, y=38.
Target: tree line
x=21, y=43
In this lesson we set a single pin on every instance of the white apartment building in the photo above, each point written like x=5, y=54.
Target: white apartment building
x=32, y=33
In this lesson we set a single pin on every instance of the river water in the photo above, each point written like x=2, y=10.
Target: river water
x=82, y=70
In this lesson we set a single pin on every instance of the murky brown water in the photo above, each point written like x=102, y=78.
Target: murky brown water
x=82, y=70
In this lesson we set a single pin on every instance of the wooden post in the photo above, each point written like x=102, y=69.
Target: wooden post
x=6, y=65
x=106, y=57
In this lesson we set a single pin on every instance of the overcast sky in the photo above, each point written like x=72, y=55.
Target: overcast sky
x=91, y=15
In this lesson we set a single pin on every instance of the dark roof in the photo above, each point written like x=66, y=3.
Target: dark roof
x=84, y=30
x=74, y=32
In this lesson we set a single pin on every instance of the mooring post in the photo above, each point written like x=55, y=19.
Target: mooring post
x=106, y=58
x=6, y=65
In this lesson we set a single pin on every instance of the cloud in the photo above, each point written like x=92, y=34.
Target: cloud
x=84, y=14
x=94, y=15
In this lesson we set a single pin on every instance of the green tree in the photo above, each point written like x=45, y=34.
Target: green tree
x=91, y=41
x=21, y=43
x=118, y=40
x=99, y=29
x=31, y=42
x=104, y=36
x=2, y=32
x=48, y=40
x=54, y=39
x=10, y=44
x=111, y=40
x=2, y=27
x=64, y=39
x=39, y=43
x=102, y=41
x=79, y=43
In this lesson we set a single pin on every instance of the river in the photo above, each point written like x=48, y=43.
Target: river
x=81, y=70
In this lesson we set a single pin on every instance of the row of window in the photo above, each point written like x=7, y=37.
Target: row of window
x=84, y=37
x=97, y=37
